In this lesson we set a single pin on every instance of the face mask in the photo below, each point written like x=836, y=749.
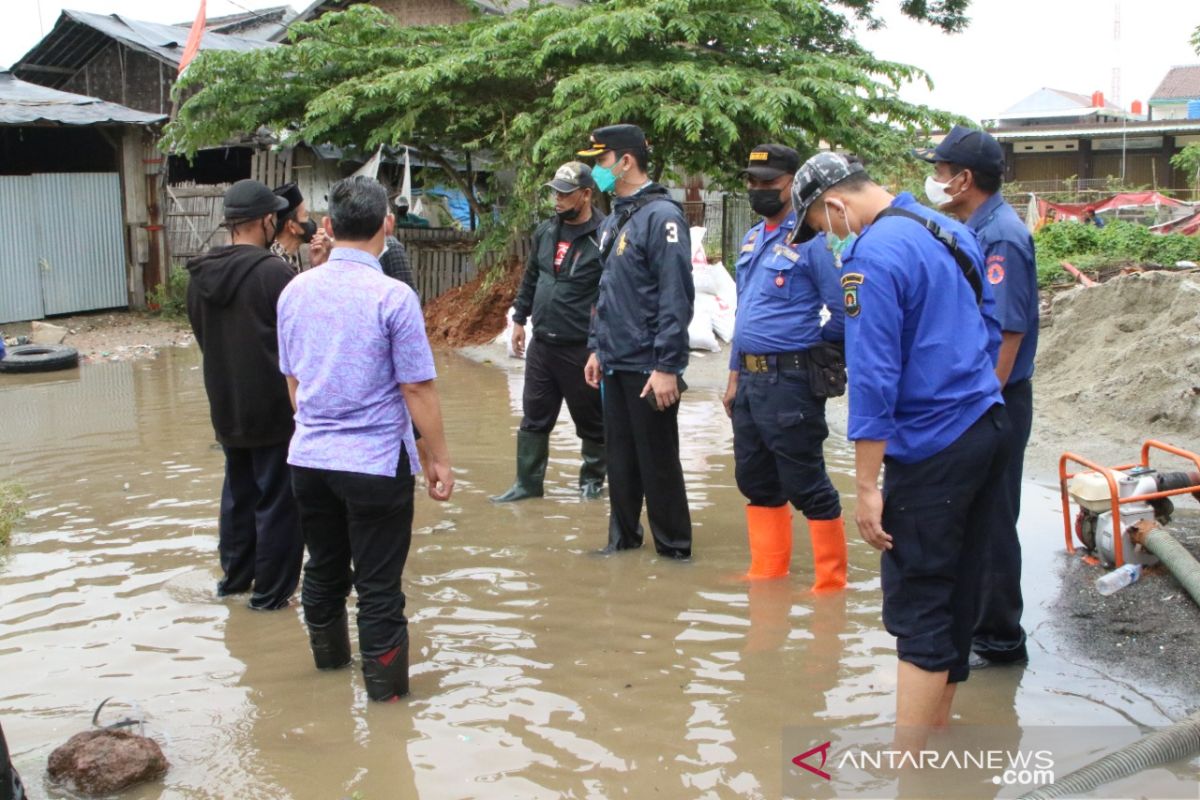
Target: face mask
x=604, y=178
x=838, y=244
x=766, y=202
x=309, y=227
x=401, y=211
x=569, y=214
x=936, y=192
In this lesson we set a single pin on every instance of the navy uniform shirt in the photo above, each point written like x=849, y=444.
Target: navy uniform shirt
x=1011, y=269
x=780, y=293
x=920, y=353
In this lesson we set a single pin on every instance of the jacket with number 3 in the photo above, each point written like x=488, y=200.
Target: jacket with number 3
x=646, y=290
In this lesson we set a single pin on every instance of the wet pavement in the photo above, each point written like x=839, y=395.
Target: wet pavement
x=539, y=670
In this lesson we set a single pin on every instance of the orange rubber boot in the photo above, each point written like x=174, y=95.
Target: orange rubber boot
x=829, y=553
x=770, y=532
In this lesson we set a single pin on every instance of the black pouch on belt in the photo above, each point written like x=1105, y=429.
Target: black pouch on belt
x=826, y=370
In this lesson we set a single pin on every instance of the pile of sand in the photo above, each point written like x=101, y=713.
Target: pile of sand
x=1121, y=361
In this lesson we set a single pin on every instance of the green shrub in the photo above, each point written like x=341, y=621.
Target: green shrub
x=12, y=495
x=170, y=299
x=1087, y=246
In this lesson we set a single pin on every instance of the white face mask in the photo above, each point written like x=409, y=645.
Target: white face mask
x=936, y=192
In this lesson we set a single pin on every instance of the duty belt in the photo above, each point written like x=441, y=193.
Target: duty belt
x=784, y=362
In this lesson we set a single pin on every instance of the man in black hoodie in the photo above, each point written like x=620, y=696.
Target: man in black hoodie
x=231, y=305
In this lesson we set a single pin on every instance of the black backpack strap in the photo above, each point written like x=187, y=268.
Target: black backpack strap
x=607, y=245
x=950, y=241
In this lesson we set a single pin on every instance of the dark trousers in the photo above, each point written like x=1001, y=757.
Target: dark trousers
x=998, y=633
x=779, y=433
x=260, y=543
x=554, y=373
x=10, y=781
x=358, y=529
x=942, y=514
x=643, y=463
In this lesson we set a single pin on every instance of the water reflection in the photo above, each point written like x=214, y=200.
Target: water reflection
x=539, y=670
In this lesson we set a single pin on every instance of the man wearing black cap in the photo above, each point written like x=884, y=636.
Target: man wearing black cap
x=639, y=344
x=925, y=406
x=294, y=228
x=775, y=398
x=231, y=305
x=968, y=169
x=562, y=279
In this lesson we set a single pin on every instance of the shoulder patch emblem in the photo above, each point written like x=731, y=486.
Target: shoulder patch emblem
x=995, y=269
x=850, y=283
x=621, y=244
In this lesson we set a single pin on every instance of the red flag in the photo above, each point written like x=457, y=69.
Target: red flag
x=193, y=41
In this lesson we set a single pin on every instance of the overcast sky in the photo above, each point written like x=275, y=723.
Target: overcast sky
x=1011, y=49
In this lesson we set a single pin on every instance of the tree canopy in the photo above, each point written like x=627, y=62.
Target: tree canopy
x=706, y=79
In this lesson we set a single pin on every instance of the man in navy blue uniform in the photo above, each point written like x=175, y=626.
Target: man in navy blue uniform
x=968, y=172
x=639, y=343
x=778, y=418
x=921, y=339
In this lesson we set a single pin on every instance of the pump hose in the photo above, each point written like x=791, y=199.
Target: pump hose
x=1179, y=741
x=1175, y=558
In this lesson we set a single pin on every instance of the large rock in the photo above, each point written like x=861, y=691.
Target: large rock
x=102, y=761
x=44, y=333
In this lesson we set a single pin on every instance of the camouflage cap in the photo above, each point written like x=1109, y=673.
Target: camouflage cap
x=820, y=173
x=572, y=176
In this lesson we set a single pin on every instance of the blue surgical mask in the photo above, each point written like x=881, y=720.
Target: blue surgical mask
x=604, y=178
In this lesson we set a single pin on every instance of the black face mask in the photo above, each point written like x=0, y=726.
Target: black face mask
x=569, y=214
x=401, y=211
x=766, y=202
x=310, y=230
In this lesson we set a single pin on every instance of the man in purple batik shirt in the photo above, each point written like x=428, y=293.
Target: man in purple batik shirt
x=352, y=346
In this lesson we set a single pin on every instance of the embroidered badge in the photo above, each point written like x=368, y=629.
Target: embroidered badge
x=621, y=244
x=787, y=252
x=850, y=283
x=995, y=269
x=779, y=279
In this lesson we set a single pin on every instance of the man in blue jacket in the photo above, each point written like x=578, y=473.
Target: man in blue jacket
x=639, y=343
x=778, y=415
x=968, y=173
x=921, y=340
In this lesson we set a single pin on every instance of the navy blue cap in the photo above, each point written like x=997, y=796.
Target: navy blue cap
x=967, y=147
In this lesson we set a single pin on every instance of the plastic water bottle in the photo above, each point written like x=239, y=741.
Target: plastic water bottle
x=1118, y=579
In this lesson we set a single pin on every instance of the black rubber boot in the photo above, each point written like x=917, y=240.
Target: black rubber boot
x=387, y=676
x=591, y=474
x=331, y=642
x=533, y=451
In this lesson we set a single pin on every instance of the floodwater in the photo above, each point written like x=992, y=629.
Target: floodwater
x=539, y=670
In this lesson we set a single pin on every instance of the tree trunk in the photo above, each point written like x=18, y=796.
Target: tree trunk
x=455, y=177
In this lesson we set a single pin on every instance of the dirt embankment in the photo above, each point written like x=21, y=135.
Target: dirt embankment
x=475, y=312
x=1117, y=364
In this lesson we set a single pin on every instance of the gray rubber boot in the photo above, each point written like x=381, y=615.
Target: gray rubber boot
x=533, y=451
x=591, y=474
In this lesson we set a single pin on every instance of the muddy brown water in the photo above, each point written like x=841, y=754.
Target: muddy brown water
x=539, y=670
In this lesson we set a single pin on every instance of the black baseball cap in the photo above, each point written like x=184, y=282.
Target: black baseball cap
x=817, y=175
x=769, y=161
x=572, y=176
x=615, y=137
x=967, y=147
x=248, y=199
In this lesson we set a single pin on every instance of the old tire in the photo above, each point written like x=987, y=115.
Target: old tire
x=39, y=358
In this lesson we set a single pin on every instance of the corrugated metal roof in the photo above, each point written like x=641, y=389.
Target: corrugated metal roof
x=1180, y=83
x=1113, y=129
x=24, y=103
x=1047, y=102
x=77, y=37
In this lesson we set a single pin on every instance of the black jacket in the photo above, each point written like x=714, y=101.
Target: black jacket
x=561, y=304
x=231, y=304
x=646, y=291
